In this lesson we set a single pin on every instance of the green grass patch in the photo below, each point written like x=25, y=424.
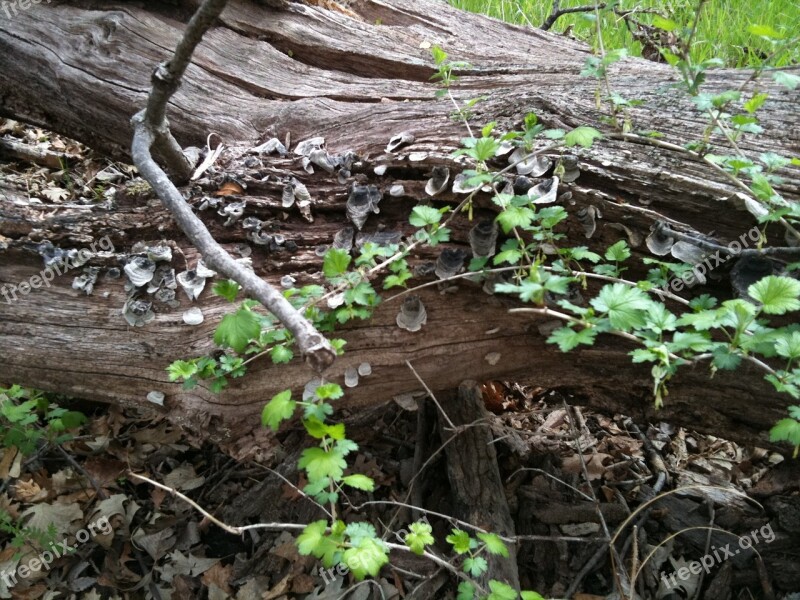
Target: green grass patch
x=722, y=31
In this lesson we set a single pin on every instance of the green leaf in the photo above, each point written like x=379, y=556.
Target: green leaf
x=619, y=252
x=788, y=80
x=475, y=565
x=778, y=295
x=726, y=359
x=418, y=537
x=568, y=338
x=789, y=346
x=794, y=412
x=501, y=591
x=280, y=408
x=582, y=136
x=625, y=305
x=531, y=596
x=765, y=31
x=360, y=482
x=181, y=369
x=493, y=544
x=366, y=558
x=689, y=340
x=786, y=430
x=312, y=538
x=460, y=541
x=756, y=102
x=515, y=216
x=280, y=354
x=336, y=262
x=329, y=391
x=227, y=289
x=237, y=330
x=665, y=24
x=322, y=463
x=422, y=216
x=466, y=591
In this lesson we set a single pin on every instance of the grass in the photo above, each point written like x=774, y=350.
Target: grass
x=722, y=31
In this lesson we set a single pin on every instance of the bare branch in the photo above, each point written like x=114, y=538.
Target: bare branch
x=151, y=131
x=557, y=12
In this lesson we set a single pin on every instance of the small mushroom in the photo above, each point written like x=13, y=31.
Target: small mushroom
x=85, y=281
x=397, y=190
x=243, y=250
x=342, y=176
x=460, y=185
x=545, y=192
x=586, y=217
x=688, y=253
x=350, y=377
x=164, y=276
x=156, y=397
x=233, y=211
x=658, y=242
x=203, y=270
x=380, y=170
x=400, y=140
x=306, y=147
x=159, y=253
x=571, y=171
x=417, y=156
x=165, y=296
x=343, y=238
x=260, y=238
x=535, y=166
x=251, y=224
x=365, y=369
x=336, y=300
x=450, y=262
x=301, y=192
x=140, y=270
x=412, y=315
x=287, y=195
x=322, y=159
x=191, y=283
x=482, y=239
x=522, y=185
x=438, y=181
x=287, y=282
x=193, y=316
x=360, y=203
x=268, y=147
x=138, y=312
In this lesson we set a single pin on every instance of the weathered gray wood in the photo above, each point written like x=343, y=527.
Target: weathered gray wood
x=83, y=69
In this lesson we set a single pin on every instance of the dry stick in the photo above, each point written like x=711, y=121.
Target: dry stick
x=212, y=518
x=573, y=586
x=558, y=12
x=152, y=131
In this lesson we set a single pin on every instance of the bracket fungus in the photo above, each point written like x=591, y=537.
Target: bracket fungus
x=402, y=139
x=438, y=181
x=545, y=192
x=138, y=312
x=586, y=217
x=363, y=200
x=482, y=238
x=412, y=315
x=193, y=316
x=450, y=262
x=535, y=166
x=140, y=270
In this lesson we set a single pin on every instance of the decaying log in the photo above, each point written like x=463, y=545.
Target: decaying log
x=83, y=69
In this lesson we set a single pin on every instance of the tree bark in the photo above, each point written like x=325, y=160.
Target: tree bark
x=83, y=69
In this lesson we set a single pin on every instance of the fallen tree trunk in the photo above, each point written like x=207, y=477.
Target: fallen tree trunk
x=84, y=68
